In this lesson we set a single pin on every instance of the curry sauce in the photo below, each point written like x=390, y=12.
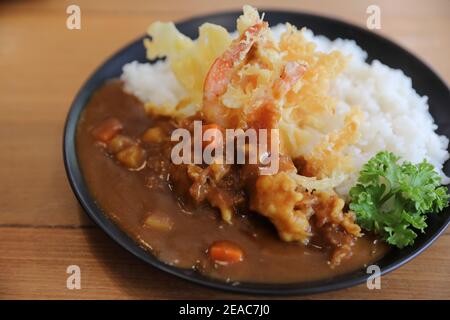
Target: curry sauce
x=140, y=198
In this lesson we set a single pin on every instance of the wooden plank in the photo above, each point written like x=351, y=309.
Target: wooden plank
x=34, y=105
x=34, y=260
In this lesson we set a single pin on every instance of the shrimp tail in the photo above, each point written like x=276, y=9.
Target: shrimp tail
x=222, y=69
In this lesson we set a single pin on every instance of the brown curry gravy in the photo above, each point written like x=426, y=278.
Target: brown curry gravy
x=125, y=198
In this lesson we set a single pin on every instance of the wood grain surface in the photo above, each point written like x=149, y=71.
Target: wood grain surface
x=43, y=64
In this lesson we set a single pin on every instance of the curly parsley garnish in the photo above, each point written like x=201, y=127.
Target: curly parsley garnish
x=393, y=199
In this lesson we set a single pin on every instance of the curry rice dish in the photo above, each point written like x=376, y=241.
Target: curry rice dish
x=352, y=180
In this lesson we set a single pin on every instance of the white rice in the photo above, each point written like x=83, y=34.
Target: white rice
x=153, y=83
x=397, y=118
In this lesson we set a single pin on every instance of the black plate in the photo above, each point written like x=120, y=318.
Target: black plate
x=425, y=81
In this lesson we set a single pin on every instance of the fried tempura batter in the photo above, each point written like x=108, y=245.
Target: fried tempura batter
x=257, y=82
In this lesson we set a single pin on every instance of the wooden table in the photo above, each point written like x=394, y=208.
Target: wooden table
x=43, y=64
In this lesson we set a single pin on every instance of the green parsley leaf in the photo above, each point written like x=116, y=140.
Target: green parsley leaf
x=393, y=199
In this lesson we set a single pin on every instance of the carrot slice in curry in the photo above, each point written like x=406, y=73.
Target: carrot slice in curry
x=107, y=130
x=225, y=252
